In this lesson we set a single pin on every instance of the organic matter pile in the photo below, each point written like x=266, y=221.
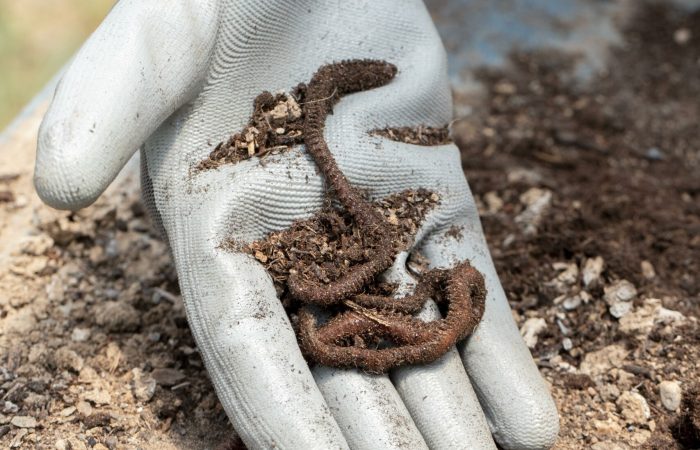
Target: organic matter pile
x=369, y=331
x=276, y=125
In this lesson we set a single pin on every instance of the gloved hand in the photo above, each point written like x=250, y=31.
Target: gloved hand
x=176, y=78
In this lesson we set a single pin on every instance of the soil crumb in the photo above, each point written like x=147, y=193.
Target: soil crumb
x=330, y=243
x=6, y=197
x=276, y=125
x=420, y=135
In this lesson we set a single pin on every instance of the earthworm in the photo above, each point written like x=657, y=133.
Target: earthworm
x=417, y=342
x=324, y=90
x=410, y=304
x=372, y=317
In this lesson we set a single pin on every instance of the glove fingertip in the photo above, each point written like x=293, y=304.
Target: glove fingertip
x=61, y=178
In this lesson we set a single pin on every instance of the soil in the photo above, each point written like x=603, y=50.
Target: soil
x=420, y=135
x=95, y=349
x=581, y=186
x=275, y=125
x=686, y=429
x=328, y=244
x=563, y=172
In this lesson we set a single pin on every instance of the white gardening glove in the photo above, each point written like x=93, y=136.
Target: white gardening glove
x=177, y=78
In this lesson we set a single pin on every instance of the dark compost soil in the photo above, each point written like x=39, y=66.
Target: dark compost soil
x=329, y=243
x=621, y=157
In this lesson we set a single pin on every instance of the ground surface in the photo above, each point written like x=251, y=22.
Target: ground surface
x=611, y=173
x=580, y=188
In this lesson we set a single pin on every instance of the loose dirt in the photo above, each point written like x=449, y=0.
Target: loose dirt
x=95, y=350
x=589, y=196
x=420, y=135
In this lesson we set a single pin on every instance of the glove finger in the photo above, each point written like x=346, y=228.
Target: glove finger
x=368, y=410
x=250, y=351
x=513, y=395
x=439, y=397
x=441, y=400
x=367, y=407
x=142, y=63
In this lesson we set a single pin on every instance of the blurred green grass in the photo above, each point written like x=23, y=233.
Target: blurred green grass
x=36, y=38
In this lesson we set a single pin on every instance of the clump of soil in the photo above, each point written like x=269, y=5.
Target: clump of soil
x=328, y=244
x=275, y=125
x=420, y=135
x=6, y=197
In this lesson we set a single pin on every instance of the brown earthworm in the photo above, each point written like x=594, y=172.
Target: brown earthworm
x=370, y=316
x=415, y=341
x=325, y=89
